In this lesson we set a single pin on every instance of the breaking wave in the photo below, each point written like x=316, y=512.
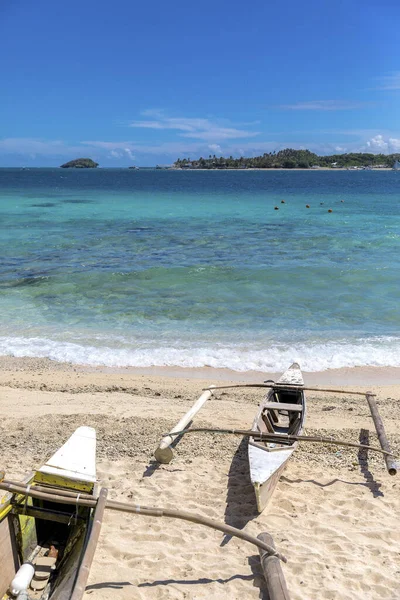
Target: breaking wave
x=313, y=356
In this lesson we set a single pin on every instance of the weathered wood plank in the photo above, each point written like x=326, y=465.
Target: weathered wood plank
x=8, y=554
x=271, y=566
x=391, y=464
x=84, y=569
x=164, y=454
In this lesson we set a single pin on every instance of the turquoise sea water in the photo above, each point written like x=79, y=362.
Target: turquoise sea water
x=117, y=267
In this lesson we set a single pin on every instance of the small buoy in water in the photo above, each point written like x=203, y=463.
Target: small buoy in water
x=342, y=201
x=282, y=202
x=307, y=206
x=330, y=210
x=276, y=208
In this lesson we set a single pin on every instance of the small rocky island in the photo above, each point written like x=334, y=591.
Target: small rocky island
x=80, y=163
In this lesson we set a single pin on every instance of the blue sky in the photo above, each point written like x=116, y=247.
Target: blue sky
x=127, y=84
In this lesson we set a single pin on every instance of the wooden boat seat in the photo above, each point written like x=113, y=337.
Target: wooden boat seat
x=266, y=423
x=283, y=406
x=43, y=569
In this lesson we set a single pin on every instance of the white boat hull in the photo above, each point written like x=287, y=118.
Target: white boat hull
x=265, y=472
x=267, y=461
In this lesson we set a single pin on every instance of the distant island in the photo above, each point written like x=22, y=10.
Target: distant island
x=292, y=159
x=80, y=163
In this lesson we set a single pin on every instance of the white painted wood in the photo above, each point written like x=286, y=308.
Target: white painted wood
x=264, y=463
x=293, y=376
x=164, y=453
x=76, y=459
x=283, y=406
x=267, y=461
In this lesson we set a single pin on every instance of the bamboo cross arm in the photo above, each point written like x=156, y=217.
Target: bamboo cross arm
x=163, y=453
x=275, y=437
x=53, y=495
x=285, y=386
x=391, y=465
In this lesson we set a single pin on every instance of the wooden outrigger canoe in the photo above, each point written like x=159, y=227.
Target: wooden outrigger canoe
x=44, y=546
x=276, y=430
x=282, y=412
x=50, y=524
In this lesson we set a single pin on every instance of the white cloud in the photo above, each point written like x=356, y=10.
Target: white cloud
x=128, y=152
x=216, y=148
x=220, y=133
x=109, y=145
x=150, y=125
x=394, y=144
x=117, y=149
x=34, y=147
x=390, y=82
x=379, y=144
x=153, y=112
x=183, y=124
x=104, y=151
x=325, y=105
x=195, y=128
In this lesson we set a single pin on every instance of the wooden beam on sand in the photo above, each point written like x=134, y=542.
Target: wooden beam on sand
x=391, y=465
x=274, y=577
x=164, y=453
x=144, y=511
x=285, y=386
x=84, y=569
x=281, y=437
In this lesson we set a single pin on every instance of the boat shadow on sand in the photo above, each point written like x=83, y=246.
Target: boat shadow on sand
x=240, y=500
x=370, y=481
x=241, y=508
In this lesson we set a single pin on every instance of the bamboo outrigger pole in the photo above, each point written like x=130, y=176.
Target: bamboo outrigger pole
x=53, y=495
x=271, y=566
x=276, y=437
x=164, y=454
x=391, y=464
x=286, y=386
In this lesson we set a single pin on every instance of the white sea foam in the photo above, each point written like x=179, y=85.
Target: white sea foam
x=378, y=352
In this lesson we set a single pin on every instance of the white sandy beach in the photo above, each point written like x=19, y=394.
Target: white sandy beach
x=334, y=513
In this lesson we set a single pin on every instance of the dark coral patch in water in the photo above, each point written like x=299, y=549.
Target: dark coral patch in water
x=27, y=281
x=77, y=201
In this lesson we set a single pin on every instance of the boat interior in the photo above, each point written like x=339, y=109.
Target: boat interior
x=282, y=413
x=50, y=536
x=43, y=539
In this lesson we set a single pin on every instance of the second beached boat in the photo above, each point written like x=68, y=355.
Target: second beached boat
x=282, y=412
x=50, y=524
x=46, y=545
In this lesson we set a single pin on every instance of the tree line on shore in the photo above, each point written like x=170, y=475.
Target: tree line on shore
x=290, y=159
